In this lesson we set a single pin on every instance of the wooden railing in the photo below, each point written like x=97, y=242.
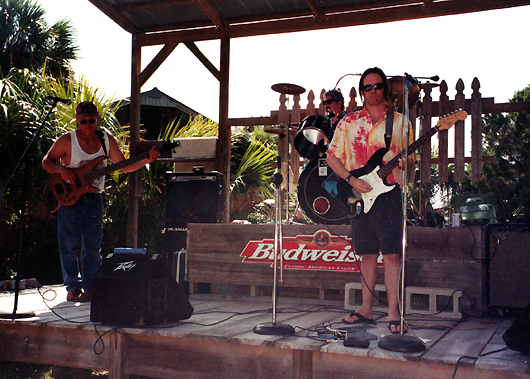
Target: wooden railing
x=467, y=132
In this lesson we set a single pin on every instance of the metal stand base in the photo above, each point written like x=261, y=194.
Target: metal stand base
x=17, y=315
x=402, y=344
x=274, y=329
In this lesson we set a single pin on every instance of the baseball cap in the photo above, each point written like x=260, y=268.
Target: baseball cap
x=86, y=108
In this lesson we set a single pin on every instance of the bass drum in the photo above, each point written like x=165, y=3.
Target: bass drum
x=313, y=136
x=318, y=196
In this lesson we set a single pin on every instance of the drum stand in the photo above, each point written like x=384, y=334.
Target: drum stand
x=287, y=89
x=275, y=328
x=400, y=342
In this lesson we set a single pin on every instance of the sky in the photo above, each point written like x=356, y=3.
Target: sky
x=487, y=45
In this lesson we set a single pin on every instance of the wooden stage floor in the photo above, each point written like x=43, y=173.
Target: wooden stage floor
x=218, y=342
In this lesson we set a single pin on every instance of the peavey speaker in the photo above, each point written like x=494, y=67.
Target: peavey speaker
x=508, y=263
x=517, y=337
x=191, y=197
x=137, y=290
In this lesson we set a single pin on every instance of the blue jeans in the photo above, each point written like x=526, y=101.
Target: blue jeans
x=82, y=221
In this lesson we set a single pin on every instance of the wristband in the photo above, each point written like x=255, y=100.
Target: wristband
x=348, y=178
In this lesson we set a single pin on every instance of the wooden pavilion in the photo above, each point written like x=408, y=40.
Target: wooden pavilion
x=206, y=346
x=171, y=22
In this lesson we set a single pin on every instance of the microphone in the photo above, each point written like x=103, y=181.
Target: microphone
x=60, y=100
x=277, y=177
x=411, y=79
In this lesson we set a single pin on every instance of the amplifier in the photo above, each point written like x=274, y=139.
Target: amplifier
x=508, y=265
x=137, y=290
x=191, y=197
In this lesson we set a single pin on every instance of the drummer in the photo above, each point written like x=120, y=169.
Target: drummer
x=334, y=106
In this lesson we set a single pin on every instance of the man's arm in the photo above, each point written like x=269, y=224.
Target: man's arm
x=338, y=167
x=59, y=150
x=116, y=156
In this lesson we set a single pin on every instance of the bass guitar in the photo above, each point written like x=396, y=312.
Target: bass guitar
x=375, y=174
x=69, y=193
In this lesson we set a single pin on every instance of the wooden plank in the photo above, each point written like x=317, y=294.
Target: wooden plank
x=467, y=339
x=231, y=350
x=176, y=357
x=462, y=244
x=71, y=347
x=465, y=276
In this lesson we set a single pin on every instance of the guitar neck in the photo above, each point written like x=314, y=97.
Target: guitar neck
x=117, y=166
x=394, y=162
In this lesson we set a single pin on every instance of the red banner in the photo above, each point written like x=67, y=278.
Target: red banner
x=321, y=251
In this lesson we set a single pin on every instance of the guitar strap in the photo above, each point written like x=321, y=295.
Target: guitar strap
x=389, y=128
x=102, y=140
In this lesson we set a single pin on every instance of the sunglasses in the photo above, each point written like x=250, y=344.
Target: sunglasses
x=329, y=101
x=368, y=87
x=91, y=121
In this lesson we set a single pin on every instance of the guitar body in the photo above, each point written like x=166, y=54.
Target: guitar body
x=374, y=173
x=368, y=173
x=69, y=193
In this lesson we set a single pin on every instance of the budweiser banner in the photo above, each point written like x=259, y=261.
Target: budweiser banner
x=321, y=251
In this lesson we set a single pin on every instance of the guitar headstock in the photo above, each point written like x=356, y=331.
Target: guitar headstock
x=448, y=121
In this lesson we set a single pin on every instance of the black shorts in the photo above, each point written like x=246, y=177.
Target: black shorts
x=381, y=229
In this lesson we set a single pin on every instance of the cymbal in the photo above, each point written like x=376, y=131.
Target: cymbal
x=288, y=89
x=396, y=93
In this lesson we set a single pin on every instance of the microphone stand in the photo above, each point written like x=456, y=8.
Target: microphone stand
x=15, y=314
x=275, y=328
x=400, y=342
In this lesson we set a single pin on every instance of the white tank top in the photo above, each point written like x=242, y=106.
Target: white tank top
x=80, y=158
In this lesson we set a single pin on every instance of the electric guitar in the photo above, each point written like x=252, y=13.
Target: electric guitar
x=375, y=175
x=70, y=193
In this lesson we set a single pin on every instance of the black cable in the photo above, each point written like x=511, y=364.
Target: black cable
x=475, y=358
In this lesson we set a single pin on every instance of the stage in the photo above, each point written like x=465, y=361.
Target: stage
x=218, y=342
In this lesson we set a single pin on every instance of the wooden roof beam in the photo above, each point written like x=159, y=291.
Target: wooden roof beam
x=211, y=12
x=150, y=5
x=201, y=57
x=355, y=18
x=284, y=15
x=114, y=15
x=156, y=62
x=315, y=7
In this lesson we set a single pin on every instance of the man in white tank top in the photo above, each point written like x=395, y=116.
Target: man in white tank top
x=83, y=221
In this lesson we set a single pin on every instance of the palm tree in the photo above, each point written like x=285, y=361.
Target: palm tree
x=27, y=42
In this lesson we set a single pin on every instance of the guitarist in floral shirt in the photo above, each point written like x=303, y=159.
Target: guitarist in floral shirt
x=83, y=220
x=359, y=135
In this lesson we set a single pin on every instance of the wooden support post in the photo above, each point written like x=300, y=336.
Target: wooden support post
x=476, y=132
x=134, y=177
x=460, y=103
x=443, y=136
x=225, y=131
x=302, y=364
x=117, y=358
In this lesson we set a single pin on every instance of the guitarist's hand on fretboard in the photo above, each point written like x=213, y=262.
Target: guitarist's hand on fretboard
x=153, y=155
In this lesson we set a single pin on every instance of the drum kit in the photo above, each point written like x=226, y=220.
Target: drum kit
x=317, y=185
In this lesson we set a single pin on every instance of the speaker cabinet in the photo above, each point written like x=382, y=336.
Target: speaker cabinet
x=508, y=258
x=517, y=337
x=190, y=198
x=137, y=290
